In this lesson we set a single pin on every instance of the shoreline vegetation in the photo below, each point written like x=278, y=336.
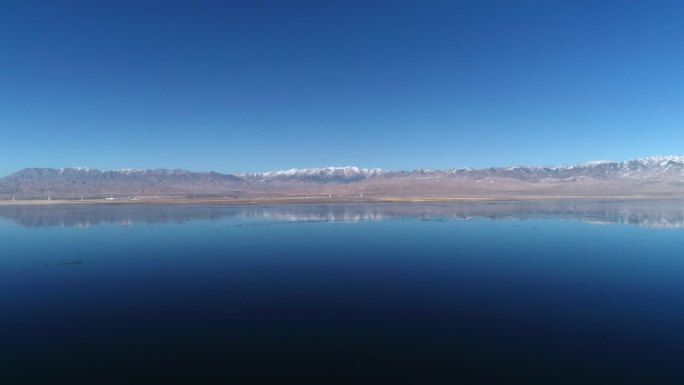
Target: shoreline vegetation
x=279, y=200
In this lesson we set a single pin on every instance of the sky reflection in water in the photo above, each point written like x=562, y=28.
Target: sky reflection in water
x=518, y=292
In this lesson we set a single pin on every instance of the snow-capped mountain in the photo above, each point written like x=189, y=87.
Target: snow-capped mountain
x=643, y=167
x=320, y=174
x=637, y=168
x=646, y=176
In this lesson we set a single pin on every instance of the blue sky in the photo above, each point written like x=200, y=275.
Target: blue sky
x=248, y=86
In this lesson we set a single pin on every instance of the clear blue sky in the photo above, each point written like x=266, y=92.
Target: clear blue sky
x=251, y=85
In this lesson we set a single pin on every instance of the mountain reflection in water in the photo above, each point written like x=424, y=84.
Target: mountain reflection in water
x=646, y=213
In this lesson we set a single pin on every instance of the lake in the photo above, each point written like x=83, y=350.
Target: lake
x=554, y=292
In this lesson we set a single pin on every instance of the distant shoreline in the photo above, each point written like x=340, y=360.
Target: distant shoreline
x=270, y=200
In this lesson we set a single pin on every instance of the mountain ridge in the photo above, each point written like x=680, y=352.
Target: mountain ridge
x=649, y=161
x=649, y=174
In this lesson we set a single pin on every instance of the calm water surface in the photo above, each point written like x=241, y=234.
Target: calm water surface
x=499, y=293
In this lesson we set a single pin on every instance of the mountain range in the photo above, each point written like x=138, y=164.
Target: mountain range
x=651, y=176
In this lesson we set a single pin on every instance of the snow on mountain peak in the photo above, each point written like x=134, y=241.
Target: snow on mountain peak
x=128, y=170
x=593, y=163
x=323, y=173
x=658, y=160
